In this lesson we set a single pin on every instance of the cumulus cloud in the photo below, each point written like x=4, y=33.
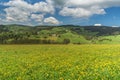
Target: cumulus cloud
x=51, y=20
x=22, y=11
x=37, y=17
x=43, y=7
x=86, y=8
x=15, y=14
x=80, y=12
x=57, y=3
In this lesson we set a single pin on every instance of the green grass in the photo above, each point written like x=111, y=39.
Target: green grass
x=59, y=62
x=115, y=39
x=74, y=38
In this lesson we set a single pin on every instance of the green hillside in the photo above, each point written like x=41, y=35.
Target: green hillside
x=18, y=34
x=113, y=39
x=65, y=34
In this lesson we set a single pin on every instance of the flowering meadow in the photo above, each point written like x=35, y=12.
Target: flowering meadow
x=59, y=62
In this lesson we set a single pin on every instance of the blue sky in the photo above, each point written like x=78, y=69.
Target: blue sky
x=60, y=12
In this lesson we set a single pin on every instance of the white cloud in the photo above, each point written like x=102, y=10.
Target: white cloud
x=88, y=3
x=37, y=17
x=15, y=14
x=86, y=8
x=115, y=26
x=21, y=11
x=51, y=20
x=43, y=7
x=97, y=24
x=58, y=3
x=80, y=12
x=20, y=5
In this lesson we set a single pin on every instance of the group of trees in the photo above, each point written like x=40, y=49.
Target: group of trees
x=11, y=38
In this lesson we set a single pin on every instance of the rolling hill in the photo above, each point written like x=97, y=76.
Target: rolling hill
x=64, y=34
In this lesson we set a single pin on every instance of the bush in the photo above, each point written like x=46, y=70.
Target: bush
x=66, y=41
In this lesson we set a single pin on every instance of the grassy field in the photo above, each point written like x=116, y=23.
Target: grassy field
x=59, y=62
x=113, y=39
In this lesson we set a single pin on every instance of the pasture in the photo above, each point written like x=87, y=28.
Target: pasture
x=60, y=62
